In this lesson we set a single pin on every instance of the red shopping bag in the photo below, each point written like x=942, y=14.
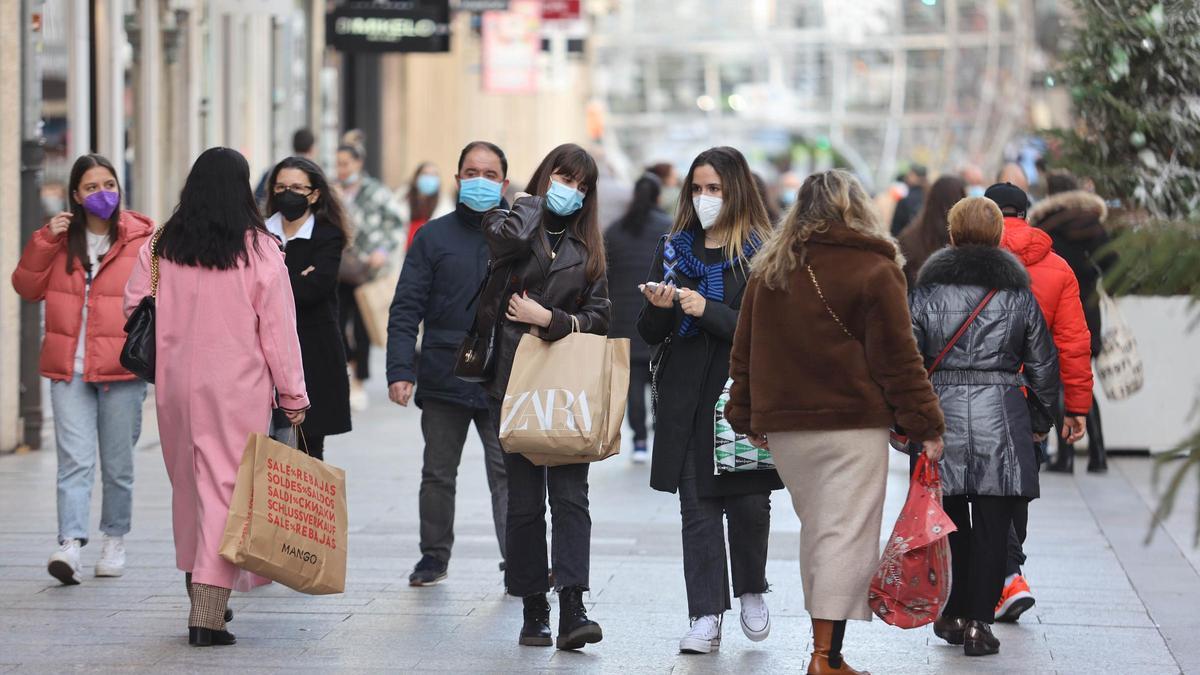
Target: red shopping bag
x=913, y=580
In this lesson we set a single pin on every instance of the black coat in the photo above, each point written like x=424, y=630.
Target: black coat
x=522, y=262
x=442, y=271
x=693, y=371
x=321, y=346
x=629, y=256
x=989, y=430
x=1075, y=222
x=907, y=209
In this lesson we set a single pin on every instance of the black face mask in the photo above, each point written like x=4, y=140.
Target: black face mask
x=291, y=205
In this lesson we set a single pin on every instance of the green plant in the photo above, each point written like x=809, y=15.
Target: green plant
x=1133, y=68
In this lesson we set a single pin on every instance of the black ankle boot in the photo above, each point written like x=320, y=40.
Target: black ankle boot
x=536, y=631
x=1064, y=461
x=1097, y=459
x=207, y=637
x=978, y=639
x=575, y=629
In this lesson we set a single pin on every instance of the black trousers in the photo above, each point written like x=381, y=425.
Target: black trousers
x=526, y=571
x=1016, y=538
x=354, y=332
x=705, y=565
x=977, y=551
x=639, y=379
x=445, y=426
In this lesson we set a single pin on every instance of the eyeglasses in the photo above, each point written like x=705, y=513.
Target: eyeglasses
x=302, y=190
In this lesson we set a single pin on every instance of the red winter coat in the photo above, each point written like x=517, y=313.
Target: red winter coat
x=1057, y=292
x=42, y=275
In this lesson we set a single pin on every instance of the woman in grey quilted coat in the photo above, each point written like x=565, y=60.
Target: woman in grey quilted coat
x=989, y=463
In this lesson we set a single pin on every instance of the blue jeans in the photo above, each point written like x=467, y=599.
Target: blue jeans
x=88, y=416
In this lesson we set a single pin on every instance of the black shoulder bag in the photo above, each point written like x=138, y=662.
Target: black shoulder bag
x=476, y=357
x=137, y=356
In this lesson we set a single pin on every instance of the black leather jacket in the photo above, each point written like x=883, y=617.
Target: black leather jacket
x=521, y=261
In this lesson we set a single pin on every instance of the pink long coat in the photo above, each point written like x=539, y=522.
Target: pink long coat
x=226, y=342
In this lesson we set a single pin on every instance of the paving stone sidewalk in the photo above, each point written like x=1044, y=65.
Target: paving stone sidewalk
x=1106, y=602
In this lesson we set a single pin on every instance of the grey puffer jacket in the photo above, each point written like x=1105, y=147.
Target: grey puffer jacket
x=989, y=426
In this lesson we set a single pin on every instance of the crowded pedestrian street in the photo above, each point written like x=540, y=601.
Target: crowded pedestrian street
x=1105, y=602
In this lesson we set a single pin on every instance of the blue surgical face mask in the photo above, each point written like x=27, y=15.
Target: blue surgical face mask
x=563, y=200
x=479, y=194
x=428, y=184
x=976, y=190
x=787, y=198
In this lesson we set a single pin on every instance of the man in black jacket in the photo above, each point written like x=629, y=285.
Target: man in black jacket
x=442, y=270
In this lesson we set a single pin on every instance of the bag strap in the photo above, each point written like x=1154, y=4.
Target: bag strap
x=837, y=319
x=962, y=330
x=154, y=263
x=487, y=275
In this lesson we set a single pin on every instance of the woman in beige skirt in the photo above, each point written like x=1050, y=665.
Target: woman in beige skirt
x=824, y=360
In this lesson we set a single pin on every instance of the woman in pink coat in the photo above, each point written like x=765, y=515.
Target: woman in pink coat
x=227, y=353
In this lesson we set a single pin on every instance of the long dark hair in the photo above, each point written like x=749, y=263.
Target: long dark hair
x=574, y=162
x=420, y=207
x=742, y=208
x=646, y=192
x=929, y=231
x=77, y=247
x=216, y=210
x=327, y=210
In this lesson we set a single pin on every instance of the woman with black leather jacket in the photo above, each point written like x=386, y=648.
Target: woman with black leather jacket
x=701, y=269
x=548, y=277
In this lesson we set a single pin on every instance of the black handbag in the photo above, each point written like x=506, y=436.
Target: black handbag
x=476, y=357
x=137, y=356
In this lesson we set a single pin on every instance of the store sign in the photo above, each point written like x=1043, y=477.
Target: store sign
x=560, y=9
x=482, y=5
x=403, y=26
x=512, y=45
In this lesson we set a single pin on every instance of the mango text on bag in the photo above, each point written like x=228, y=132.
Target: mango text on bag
x=540, y=407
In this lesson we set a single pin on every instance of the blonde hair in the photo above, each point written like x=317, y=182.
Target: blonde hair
x=742, y=210
x=829, y=199
x=976, y=221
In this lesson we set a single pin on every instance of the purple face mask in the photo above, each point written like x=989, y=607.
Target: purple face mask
x=102, y=203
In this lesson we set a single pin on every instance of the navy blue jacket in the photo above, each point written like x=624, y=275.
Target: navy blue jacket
x=442, y=270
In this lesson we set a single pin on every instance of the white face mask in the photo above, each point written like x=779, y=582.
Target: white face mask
x=708, y=208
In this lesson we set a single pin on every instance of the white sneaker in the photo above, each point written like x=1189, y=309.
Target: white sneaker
x=704, y=637
x=112, y=557
x=64, y=564
x=756, y=618
x=358, y=398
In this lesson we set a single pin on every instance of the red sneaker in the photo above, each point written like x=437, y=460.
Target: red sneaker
x=1015, y=600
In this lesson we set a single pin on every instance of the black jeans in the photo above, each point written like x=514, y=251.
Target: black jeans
x=354, y=332
x=977, y=554
x=705, y=565
x=527, y=569
x=445, y=426
x=639, y=379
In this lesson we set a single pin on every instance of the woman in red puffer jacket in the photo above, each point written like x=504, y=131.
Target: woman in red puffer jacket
x=79, y=264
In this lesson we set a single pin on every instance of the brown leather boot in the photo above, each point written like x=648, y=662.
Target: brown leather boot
x=823, y=662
